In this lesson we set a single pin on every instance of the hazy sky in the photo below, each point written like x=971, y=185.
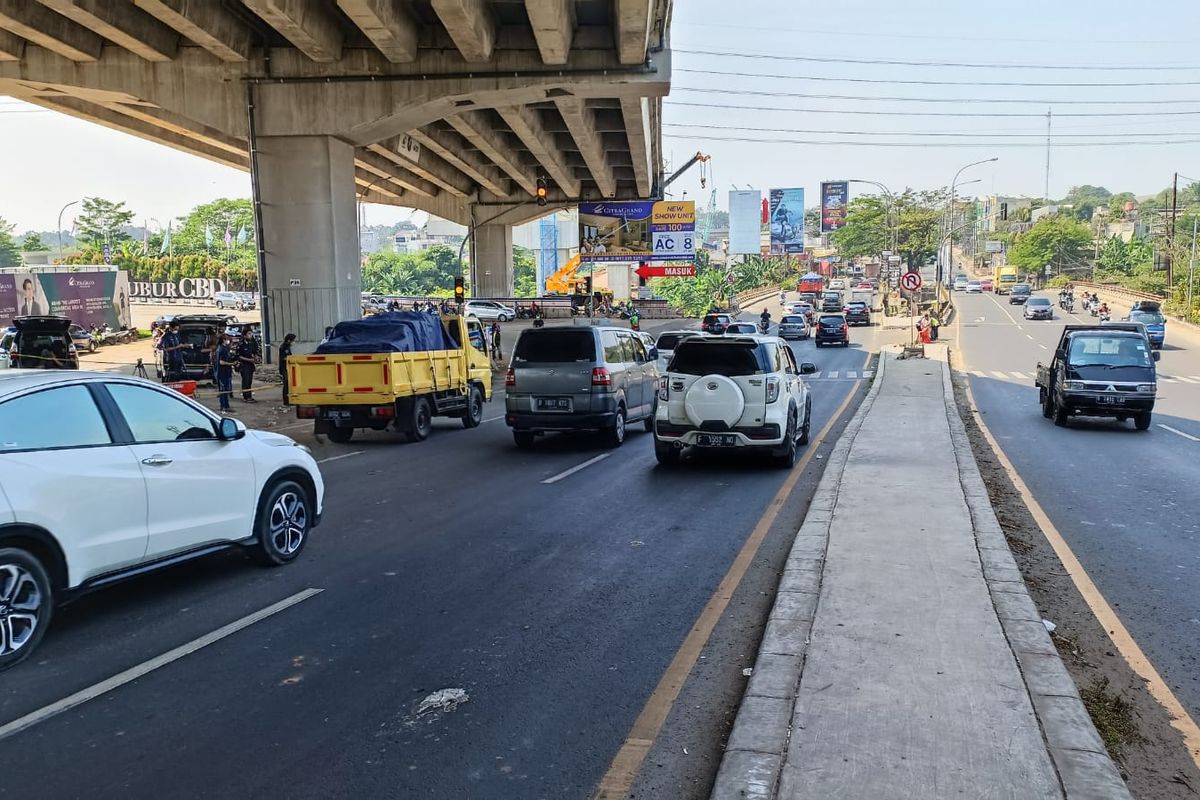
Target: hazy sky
x=47, y=159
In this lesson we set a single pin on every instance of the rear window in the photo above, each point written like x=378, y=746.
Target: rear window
x=791, y=320
x=1039, y=301
x=555, y=346
x=711, y=318
x=708, y=358
x=1147, y=317
x=668, y=340
x=1021, y=287
x=830, y=320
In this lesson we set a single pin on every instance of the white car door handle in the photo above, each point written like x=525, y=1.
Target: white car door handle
x=157, y=461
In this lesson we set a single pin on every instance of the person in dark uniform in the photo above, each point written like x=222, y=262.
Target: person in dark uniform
x=247, y=356
x=172, y=350
x=224, y=360
x=285, y=352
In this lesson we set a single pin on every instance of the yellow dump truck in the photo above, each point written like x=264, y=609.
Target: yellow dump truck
x=399, y=369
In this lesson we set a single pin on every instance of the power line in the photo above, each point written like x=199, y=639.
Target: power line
x=877, y=99
x=873, y=112
x=962, y=64
x=711, y=138
x=967, y=134
x=911, y=82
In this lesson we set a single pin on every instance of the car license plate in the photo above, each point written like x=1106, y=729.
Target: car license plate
x=331, y=413
x=1112, y=400
x=716, y=440
x=553, y=404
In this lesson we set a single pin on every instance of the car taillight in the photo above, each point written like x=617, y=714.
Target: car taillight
x=600, y=377
x=510, y=378
x=664, y=392
x=306, y=412
x=845, y=328
x=772, y=389
x=383, y=411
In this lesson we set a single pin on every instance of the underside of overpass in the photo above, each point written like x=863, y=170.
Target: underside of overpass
x=455, y=107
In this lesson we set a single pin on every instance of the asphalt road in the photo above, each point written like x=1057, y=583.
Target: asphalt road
x=449, y=564
x=1126, y=502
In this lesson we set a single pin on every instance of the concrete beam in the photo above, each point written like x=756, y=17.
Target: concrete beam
x=204, y=22
x=386, y=24
x=12, y=47
x=528, y=127
x=486, y=175
x=174, y=123
x=581, y=122
x=636, y=111
x=632, y=21
x=471, y=26
x=474, y=127
x=553, y=23
x=372, y=184
x=131, y=28
x=50, y=30
x=395, y=173
x=429, y=166
x=308, y=24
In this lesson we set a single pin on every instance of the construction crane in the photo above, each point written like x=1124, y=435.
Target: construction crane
x=699, y=158
x=709, y=213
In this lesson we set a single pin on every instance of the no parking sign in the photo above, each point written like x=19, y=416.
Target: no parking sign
x=910, y=281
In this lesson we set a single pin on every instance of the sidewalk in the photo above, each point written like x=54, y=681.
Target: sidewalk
x=903, y=657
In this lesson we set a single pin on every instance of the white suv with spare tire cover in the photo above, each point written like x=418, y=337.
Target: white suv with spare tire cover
x=733, y=392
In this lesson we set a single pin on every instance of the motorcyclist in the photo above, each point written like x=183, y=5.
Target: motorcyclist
x=635, y=320
x=782, y=297
x=764, y=320
x=1103, y=312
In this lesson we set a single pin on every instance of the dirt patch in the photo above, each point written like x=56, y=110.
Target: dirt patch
x=1151, y=754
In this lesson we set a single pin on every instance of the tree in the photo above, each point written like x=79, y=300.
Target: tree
x=233, y=214
x=9, y=255
x=103, y=221
x=524, y=273
x=33, y=243
x=430, y=272
x=1116, y=204
x=867, y=231
x=1058, y=240
x=1084, y=200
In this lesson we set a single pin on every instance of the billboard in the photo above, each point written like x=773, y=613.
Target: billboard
x=787, y=221
x=834, y=196
x=992, y=246
x=745, y=222
x=637, y=231
x=87, y=298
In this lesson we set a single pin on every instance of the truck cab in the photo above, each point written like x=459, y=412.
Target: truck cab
x=1099, y=371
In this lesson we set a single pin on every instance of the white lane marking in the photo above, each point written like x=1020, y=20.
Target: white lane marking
x=133, y=673
x=492, y=419
x=1179, y=432
x=833, y=374
x=866, y=373
x=1187, y=379
x=815, y=375
x=851, y=374
x=1043, y=347
x=1030, y=338
x=1021, y=376
x=1020, y=328
x=337, y=458
x=1166, y=379
x=1000, y=375
x=577, y=468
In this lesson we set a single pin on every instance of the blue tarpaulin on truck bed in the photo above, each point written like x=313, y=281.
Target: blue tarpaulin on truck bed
x=395, y=332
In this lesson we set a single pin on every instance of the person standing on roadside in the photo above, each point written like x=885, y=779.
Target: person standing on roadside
x=225, y=360
x=247, y=356
x=497, y=352
x=172, y=353
x=934, y=324
x=285, y=352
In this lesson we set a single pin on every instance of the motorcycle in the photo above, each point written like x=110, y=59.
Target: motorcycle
x=1068, y=306
x=1104, y=316
x=764, y=325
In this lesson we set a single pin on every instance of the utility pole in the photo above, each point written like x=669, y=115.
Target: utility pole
x=1171, y=233
x=1192, y=267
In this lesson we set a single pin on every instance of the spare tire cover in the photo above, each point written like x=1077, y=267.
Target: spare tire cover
x=714, y=397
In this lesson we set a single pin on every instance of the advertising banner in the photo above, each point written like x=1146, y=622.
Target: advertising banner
x=637, y=231
x=745, y=222
x=834, y=196
x=86, y=298
x=787, y=221
x=992, y=246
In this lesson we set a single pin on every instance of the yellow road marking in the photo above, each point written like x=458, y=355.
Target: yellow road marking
x=1117, y=632
x=618, y=780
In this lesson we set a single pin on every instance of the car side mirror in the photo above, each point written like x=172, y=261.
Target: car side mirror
x=1155, y=354
x=229, y=430
x=653, y=354
x=807, y=368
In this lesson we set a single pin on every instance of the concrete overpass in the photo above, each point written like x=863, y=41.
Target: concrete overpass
x=455, y=107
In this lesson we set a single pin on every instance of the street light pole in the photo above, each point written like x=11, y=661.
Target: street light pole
x=59, y=230
x=950, y=213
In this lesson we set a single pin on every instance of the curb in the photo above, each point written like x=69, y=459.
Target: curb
x=1080, y=758
x=754, y=754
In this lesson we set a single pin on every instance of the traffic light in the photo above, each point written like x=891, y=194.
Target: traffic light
x=1004, y=211
x=460, y=291
x=541, y=191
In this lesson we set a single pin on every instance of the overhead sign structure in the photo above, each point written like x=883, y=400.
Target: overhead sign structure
x=666, y=271
x=834, y=196
x=745, y=222
x=992, y=246
x=787, y=221
x=637, y=231
x=910, y=281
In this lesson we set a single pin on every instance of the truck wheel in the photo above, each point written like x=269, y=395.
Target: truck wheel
x=340, y=435
x=1047, y=404
x=1141, y=421
x=1060, y=415
x=474, y=412
x=422, y=420
x=523, y=440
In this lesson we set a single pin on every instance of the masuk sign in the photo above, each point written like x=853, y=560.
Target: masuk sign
x=182, y=289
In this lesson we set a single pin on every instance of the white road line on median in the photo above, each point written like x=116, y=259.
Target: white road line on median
x=577, y=468
x=852, y=374
x=492, y=419
x=133, y=673
x=833, y=374
x=1179, y=432
x=338, y=458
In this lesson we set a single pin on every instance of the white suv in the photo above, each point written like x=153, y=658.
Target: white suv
x=733, y=392
x=104, y=477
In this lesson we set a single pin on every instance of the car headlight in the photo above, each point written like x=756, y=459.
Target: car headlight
x=1074, y=385
x=1147, y=387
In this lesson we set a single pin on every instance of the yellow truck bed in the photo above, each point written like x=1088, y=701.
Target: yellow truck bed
x=374, y=377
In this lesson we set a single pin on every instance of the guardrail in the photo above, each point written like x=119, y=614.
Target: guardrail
x=1127, y=297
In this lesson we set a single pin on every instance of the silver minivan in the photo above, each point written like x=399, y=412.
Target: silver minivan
x=579, y=378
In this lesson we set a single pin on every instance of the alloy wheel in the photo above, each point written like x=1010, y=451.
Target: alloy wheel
x=21, y=604
x=289, y=522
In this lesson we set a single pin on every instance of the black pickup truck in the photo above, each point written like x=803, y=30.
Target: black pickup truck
x=1099, y=371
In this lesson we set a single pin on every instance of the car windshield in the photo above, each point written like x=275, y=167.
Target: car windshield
x=668, y=340
x=708, y=358
x=740, y=327
x=555, y=346
x=1109, y=351
x=1147, y=317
